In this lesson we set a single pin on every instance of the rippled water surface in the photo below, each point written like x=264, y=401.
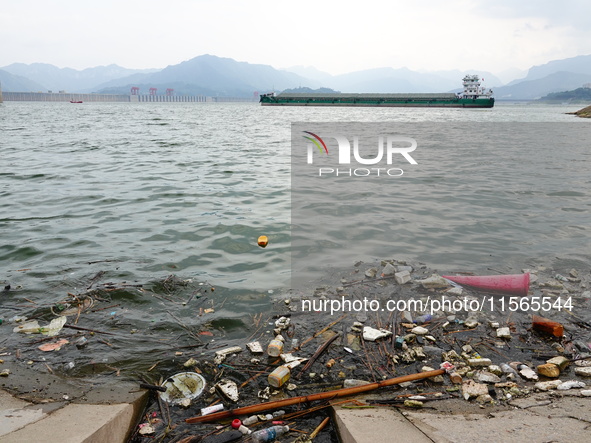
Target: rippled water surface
x=146, y=190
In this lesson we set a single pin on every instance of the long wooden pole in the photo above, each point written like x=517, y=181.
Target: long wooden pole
x=254, y=409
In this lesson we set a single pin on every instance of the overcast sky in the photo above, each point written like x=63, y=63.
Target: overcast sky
x=333, y=36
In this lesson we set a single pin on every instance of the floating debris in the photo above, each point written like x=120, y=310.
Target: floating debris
x=189, y=363
x=279, y=376
x=33, y=327
x=221, y=355
x=255, y=347
x=54, y=346
x=548, y=370
x=434, y=282
x=547, y=326
x=571, y=384
x=211, y=409
x=263, y=241
x=584, y=371
x=182, y=385
x=371, y=334
x=228, y=390
x=547, y=385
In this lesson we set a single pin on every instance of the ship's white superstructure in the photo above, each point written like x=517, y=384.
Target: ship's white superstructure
x=472, y=88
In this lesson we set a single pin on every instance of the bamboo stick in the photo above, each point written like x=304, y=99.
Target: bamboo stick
x=254, y=409
x=319, y=428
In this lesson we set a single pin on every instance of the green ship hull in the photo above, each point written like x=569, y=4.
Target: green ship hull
x=378, y=100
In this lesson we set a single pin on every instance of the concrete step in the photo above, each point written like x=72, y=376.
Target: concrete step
x=76, y=423
x=375, y=425
x=51, y=409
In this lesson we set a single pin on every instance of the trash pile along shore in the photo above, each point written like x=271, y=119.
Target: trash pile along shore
x=304, y=359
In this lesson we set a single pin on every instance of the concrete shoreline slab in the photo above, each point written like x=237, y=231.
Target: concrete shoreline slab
x=69, y=422
x=549, y=418
x=77, y=423
x=378, y=425
x=51, y=409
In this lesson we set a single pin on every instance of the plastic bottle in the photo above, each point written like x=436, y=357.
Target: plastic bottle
x=279, y=376
x=81, y=342
x=423, y=319
x=275, y=348
x=250, y=420
x=508, y=369
x=269, y=434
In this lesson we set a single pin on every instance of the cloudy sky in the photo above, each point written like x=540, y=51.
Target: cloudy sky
x=333, y=36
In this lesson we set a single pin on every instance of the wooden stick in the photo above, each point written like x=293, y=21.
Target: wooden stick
x=152, y=387
x=322, y=331
x=80, y=328
x=323, y=347
x=319, y=428
x=254, y=409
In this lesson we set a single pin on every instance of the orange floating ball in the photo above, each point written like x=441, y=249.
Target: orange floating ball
x=263, y=241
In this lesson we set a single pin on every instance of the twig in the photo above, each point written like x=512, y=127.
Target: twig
x=322, y=330
x=185, y=327
x=79, y=328
x=106, y=307
x=318, y=353
x=153, y=366
x=95, y=278
x=367, y=362
x=117, y=371
x=152, y=387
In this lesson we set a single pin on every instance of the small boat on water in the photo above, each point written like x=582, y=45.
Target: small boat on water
x=76, y=101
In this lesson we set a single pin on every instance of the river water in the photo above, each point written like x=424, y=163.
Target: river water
x=143, y=191
x=180, y=188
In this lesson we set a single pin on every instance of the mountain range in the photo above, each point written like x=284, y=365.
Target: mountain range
x=216, y=76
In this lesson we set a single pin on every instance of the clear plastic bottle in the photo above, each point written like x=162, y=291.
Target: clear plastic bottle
x=269, y=434
x=250, y=420
x=423, y=319
x=508, y=370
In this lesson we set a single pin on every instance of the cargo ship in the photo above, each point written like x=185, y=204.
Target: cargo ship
x=473, y=96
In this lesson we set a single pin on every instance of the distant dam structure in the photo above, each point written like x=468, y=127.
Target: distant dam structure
x=77, y=97
x=133, y=97
x=168, y=98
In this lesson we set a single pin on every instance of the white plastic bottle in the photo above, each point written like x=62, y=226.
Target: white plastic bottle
x=269, y=434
